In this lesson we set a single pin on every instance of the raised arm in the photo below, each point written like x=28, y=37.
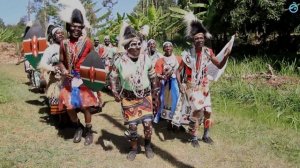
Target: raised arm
x=215, y=60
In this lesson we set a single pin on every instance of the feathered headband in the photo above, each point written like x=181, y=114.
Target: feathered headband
x=127, y=33
x=73, y=11
x=194, y=26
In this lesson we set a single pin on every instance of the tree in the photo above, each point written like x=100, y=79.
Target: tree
x=143, y=5
x=92, y=12
x=112, y=28
x=255, y=20
x=2, y=25
x=23, y=20
x=109, y=4
x=156, y=18
x=46, y=11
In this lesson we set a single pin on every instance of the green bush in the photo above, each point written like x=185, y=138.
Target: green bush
x=11, y=34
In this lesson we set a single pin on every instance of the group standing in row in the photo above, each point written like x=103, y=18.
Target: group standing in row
x=149, y=85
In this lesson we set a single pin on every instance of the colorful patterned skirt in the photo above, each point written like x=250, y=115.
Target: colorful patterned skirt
x=170, y=101
x=199, y=97
x=85, y=95
x=137, y=110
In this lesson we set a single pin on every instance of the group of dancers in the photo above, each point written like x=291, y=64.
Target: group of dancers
x=149, y=85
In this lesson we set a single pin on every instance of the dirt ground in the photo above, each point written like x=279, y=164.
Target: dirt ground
x=8, y=53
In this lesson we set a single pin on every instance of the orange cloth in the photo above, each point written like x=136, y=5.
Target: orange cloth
x=88, y=47
x=86, y=95
x=159, y=66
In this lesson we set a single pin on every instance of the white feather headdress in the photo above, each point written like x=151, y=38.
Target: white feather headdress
x=68, y=6
x=127, y=33
x=195, y=26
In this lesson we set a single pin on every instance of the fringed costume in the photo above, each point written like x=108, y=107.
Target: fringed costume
x=49, y=70
x=73, y=51
x=137, y=77
x=73, y=54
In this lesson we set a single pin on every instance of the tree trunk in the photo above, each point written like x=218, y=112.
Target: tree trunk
x=28, y=10
x=143, y=7
x=45, y=17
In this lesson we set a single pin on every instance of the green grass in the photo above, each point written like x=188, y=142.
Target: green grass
x=255, y=125
x=275, y=104
x=261, y=106
x=5, y=86
x=9, y=87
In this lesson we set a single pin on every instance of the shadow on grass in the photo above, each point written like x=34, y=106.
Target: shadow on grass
x=44, y=110
x=96, y=110
x=107, y=91
x=37, y=90
x=61, y=122
x=168, y=157
x=165, y=132
x=27, y=83
x=66, y=133
x=116, y=140
x=35, y=102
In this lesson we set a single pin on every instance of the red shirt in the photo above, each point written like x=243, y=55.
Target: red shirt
x=159, y=66
x=188, y=70
x=77, y=61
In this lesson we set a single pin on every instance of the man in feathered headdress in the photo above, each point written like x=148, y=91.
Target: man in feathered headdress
x=137, y=79
x=195, y=79
x=73, y=51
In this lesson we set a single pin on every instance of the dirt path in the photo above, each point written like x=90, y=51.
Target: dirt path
x=29, y=138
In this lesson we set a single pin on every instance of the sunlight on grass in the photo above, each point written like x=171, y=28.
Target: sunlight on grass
x=277, y=104
x=256, y=125
x=5, y=90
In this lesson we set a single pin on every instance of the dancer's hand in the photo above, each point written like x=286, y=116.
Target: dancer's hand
x=117, y=97
x=227, y=52
x=65, y=72
x=57, y=69
x=161, y=76
x=183, y=88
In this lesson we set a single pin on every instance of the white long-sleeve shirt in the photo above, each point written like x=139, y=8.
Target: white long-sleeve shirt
x=50, y=57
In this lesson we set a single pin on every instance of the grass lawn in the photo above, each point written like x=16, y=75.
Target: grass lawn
x=247, y=133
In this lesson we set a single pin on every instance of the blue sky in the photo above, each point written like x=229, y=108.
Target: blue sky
x=12, y=10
